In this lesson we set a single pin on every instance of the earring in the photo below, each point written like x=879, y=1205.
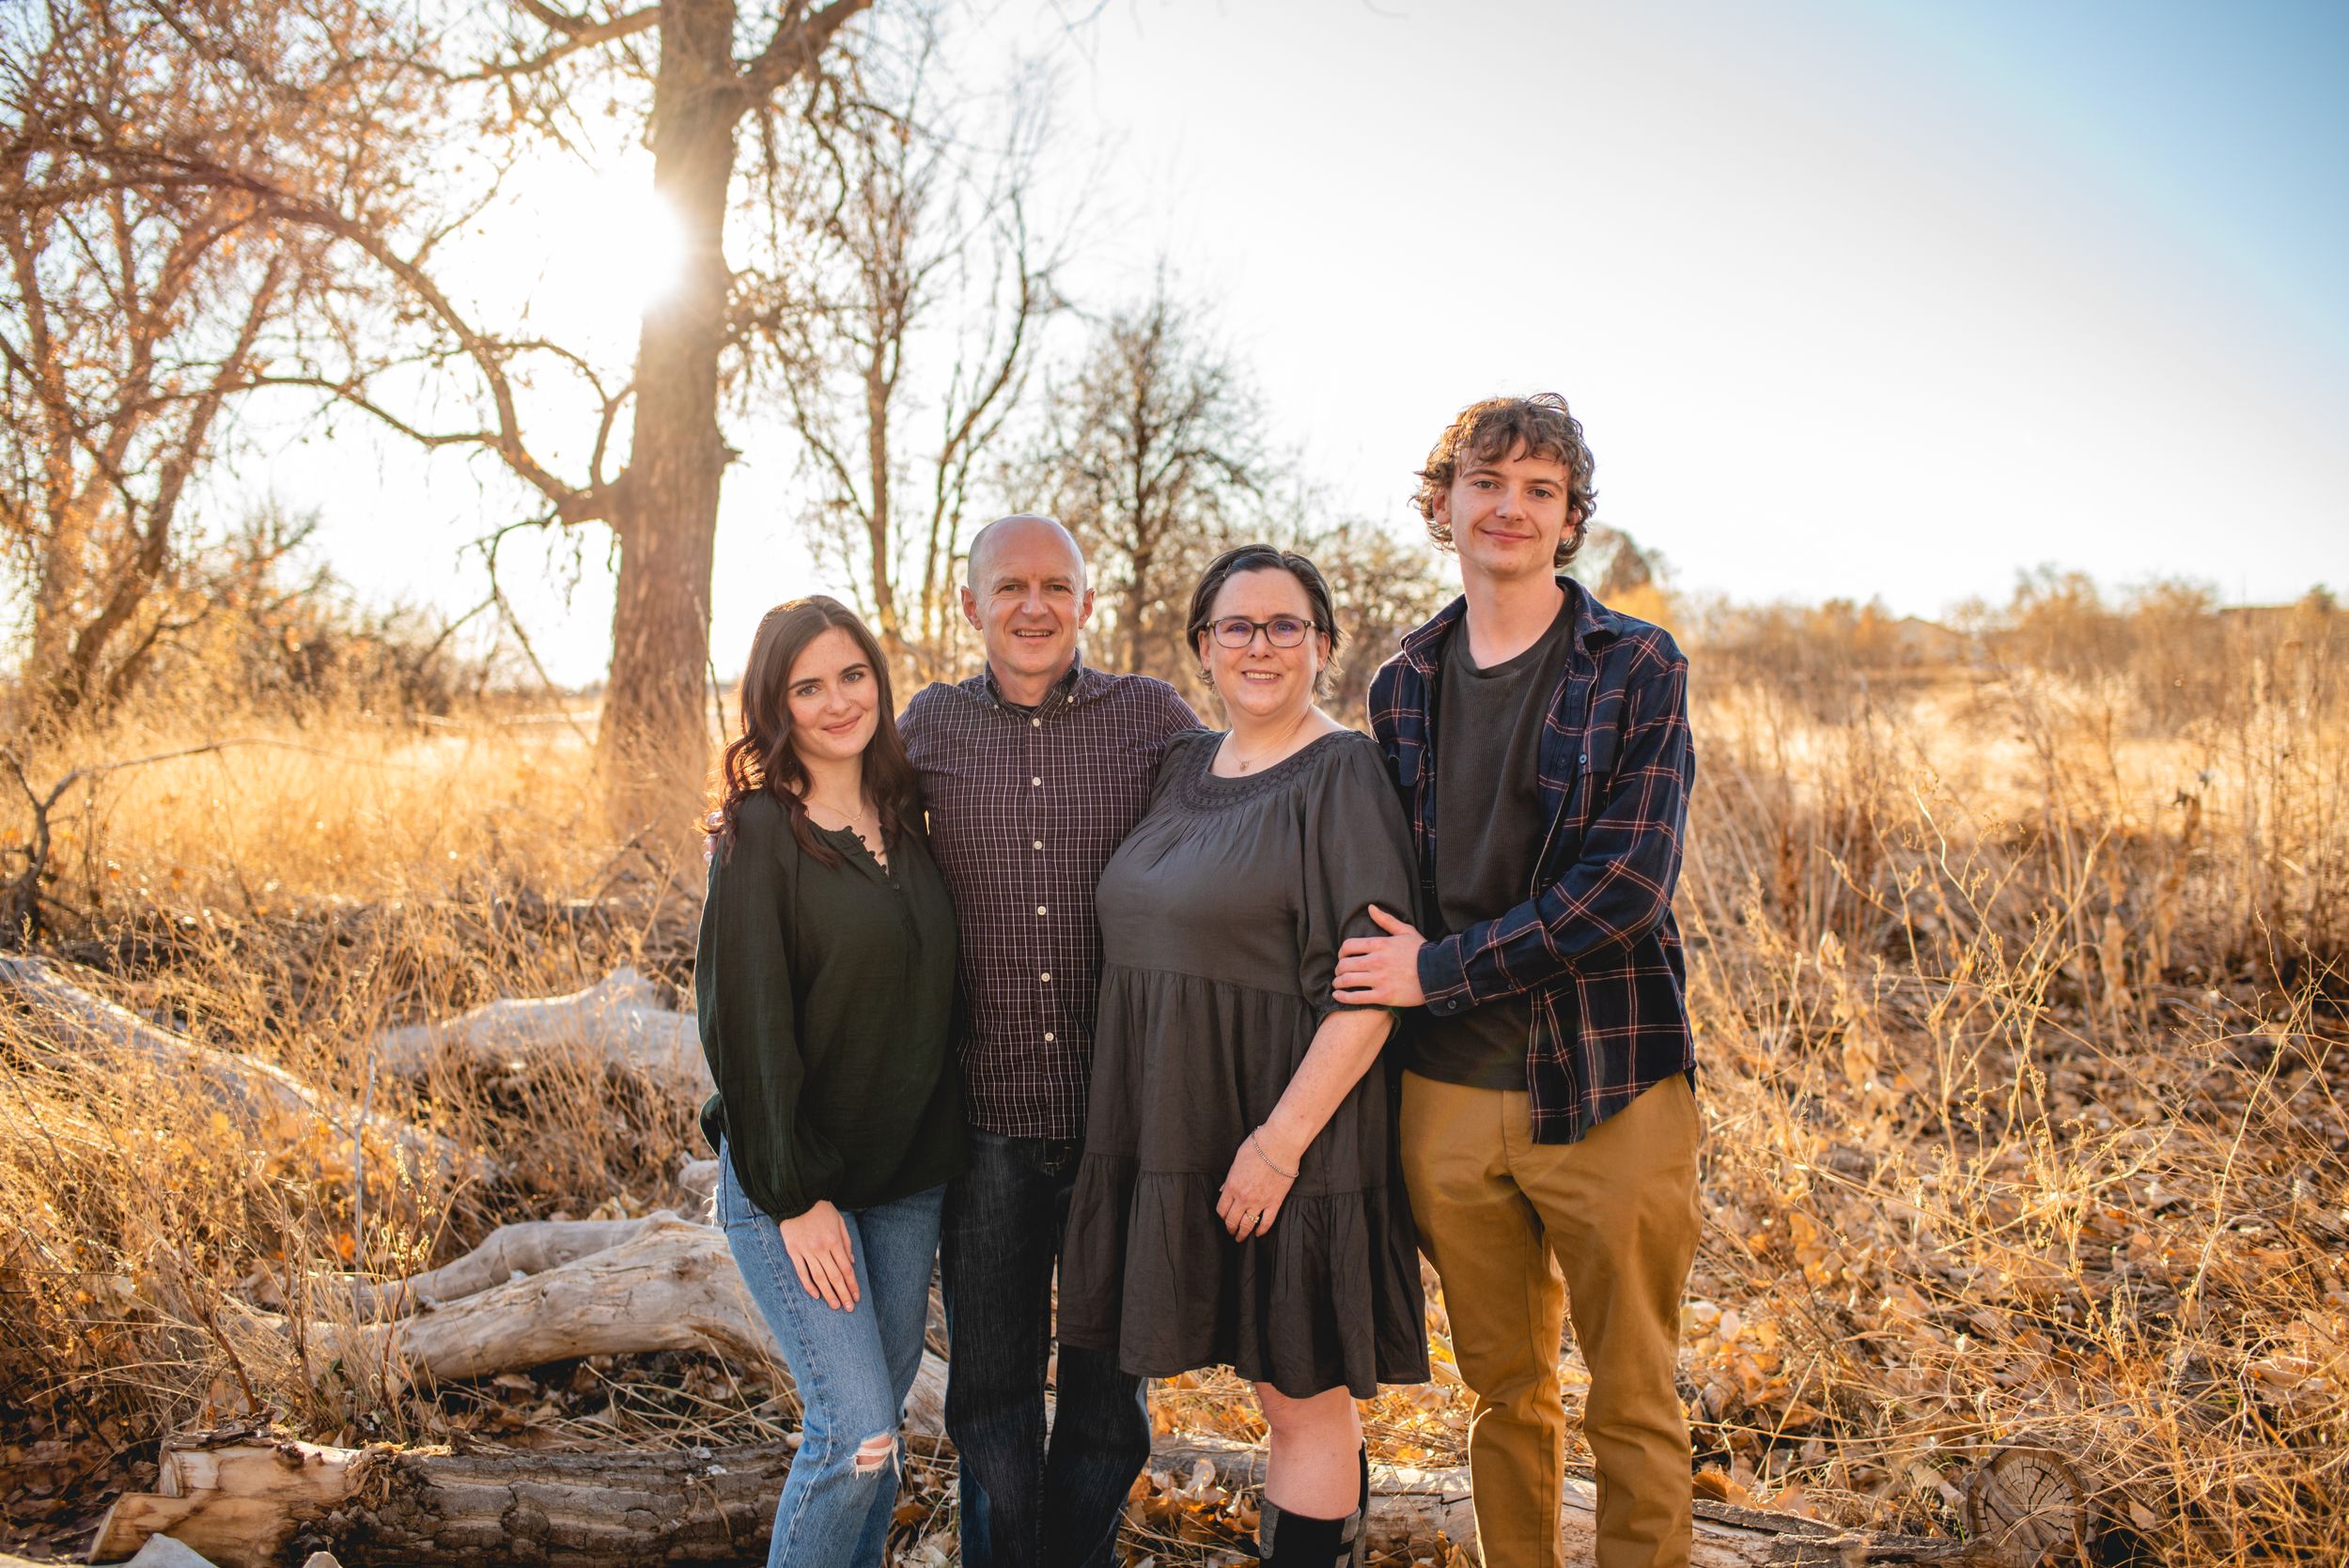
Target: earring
x=1207, y=678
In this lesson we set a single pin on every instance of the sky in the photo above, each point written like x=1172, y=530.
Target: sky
x=1867, y=301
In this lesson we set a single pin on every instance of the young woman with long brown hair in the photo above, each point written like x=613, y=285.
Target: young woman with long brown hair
x=825, y=977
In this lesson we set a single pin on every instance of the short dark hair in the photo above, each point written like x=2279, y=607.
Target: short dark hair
x=1262, y=558
x=1537, y=427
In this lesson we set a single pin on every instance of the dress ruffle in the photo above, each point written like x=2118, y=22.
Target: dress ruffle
x=1184, y=1067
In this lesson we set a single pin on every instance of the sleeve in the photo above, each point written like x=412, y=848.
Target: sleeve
x=749, y=1020
x=1357, y=853
x=912, y=729
x=1177, y=716
x=1620, y=886
x=1170, y=758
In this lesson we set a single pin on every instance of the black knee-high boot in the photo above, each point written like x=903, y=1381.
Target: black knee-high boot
x=1361, y=1541
x=1289, y=1540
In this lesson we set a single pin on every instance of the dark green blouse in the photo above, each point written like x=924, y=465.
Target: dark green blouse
x=826, y=994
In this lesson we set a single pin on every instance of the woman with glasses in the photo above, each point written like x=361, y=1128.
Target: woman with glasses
x=1239, y=1202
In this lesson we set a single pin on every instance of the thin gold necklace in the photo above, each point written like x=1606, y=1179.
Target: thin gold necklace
x=867, y=814
x=1244, y=764
x=864, y=809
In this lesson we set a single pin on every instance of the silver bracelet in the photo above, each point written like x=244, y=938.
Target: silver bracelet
x=1284, y=1175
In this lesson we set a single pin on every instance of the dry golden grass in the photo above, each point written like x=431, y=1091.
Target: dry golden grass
x=2019, y=999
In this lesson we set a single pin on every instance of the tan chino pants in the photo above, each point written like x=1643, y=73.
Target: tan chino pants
x=1520, y=1232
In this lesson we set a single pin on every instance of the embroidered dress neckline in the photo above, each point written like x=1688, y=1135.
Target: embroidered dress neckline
x=1205, y=787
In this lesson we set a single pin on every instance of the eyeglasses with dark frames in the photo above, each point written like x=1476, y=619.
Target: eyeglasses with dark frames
x=1281, y=631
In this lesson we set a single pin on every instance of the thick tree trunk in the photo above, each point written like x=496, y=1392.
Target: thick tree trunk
x=655, y=740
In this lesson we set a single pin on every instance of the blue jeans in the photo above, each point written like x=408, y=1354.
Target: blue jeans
x=1025, y=1505
x=853, y=1369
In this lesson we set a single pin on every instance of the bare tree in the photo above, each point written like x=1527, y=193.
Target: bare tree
x=928, y=254
x=1152, y=453
x=651, y=459
x=141, y=309
x=1381, y=585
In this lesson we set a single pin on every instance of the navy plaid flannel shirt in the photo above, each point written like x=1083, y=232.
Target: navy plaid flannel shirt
x=1594, y=945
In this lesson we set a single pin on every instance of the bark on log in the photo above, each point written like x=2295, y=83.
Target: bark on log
x=1414, y=1508
x=669, y=1285
x=507, y=1253
x=241, y=1505
x=697, y=1180
x=620, y=1019
x=74, y=1021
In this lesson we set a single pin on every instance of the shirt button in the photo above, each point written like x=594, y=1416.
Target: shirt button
x=1036, y=723
x=1039, y=909
x=1046, y=977
x=1048, y=1036
x=1035, y=781
x=1039, y=843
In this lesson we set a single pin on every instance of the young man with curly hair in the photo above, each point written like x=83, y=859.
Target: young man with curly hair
x=1548, y=1129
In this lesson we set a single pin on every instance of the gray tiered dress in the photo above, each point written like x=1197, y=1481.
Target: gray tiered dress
x=1221, y=919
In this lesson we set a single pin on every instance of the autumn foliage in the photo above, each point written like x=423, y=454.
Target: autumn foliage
x=2017, y=967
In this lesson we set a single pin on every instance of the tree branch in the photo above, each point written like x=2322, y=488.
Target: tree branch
x=487, y=354
x=578, y=34
x=798, y=40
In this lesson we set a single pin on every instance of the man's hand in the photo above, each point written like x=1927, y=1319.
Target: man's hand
x=1381, y=971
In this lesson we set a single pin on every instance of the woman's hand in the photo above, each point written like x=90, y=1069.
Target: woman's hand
x=1254, y=1191
x=818, y=1243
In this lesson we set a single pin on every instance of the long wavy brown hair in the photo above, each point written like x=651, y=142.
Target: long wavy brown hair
x=762, y=758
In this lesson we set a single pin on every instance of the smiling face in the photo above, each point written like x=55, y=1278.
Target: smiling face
x=1507, y=514
x=1028, y=597
x=1260, y=684
x=834, y=698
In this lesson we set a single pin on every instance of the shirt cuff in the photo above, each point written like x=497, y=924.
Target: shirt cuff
x=1444, y=977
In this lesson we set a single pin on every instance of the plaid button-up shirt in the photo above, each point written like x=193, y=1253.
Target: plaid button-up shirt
x=1024, y=811
x=1594, y=944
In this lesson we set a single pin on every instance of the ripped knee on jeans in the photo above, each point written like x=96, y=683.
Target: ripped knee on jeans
x=875, y=1452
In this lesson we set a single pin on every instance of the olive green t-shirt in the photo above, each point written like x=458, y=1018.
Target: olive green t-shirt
x=826, y=994
x=1489, y=828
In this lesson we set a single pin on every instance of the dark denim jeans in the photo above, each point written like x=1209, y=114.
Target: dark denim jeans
x=1025, y=1505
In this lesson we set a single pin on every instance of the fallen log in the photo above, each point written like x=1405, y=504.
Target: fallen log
x=619, y=1019
x=662, y=1284
x=667, y=1285
x=72, y=1020
x=697, y=1181
x=507, y=1253
x=244, y=1501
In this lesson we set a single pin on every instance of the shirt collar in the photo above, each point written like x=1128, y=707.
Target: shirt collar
x=1076, y=685
x=1594, y=627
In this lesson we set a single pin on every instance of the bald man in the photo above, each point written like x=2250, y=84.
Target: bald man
x=1032, y=772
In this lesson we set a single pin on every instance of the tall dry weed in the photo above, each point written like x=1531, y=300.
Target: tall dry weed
x=2019, y=982
x=2022, y=1020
